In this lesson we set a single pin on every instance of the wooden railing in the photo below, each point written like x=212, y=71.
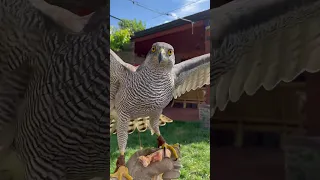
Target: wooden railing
x=197, y=96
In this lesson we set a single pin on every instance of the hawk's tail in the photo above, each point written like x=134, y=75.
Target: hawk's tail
x=141, y=124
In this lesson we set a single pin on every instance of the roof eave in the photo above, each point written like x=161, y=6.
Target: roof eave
x=176, y=23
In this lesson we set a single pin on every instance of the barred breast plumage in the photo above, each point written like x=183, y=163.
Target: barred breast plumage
x=143, y=92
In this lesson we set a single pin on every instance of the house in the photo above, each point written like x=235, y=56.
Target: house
x=188, y=41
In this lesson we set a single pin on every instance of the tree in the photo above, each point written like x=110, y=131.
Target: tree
x=134, y=25
x=119, y=38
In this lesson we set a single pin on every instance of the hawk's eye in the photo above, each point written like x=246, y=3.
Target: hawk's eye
x=153, y=49
x=170, y=52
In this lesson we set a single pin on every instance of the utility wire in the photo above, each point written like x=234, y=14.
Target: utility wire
x=140, y=5
x=177, y=9
x=161, y=13
x=116, y=18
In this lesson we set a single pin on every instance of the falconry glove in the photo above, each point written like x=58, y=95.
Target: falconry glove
x=167, y=169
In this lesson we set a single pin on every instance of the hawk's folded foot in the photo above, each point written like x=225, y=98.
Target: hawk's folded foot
x=162, y=143
x=121, y=170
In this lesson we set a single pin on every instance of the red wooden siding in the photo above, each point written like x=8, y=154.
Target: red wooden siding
x=207, y=40
x=170, y=31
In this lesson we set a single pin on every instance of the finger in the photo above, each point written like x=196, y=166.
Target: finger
x=173, y=174
x=177, y=164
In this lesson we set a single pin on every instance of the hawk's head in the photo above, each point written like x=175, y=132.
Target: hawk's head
x=161, y=54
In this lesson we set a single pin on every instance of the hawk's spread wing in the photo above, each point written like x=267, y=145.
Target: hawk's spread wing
x=62, y=16
x=270, y=49
x=191, y=74
x=119, y=64
x=118, y=71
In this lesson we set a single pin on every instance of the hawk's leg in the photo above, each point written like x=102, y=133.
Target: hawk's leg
x=154, y=122
x=122, y=137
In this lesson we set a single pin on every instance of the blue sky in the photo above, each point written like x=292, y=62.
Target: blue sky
x=125, y=9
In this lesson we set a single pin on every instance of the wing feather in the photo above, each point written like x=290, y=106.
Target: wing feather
x=264, y=55
x=62, y=16
x=118, y=69
x=191, y=74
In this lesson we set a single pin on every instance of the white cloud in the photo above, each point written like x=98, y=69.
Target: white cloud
x=190, y=7
x=194, y=7
x=174, y=15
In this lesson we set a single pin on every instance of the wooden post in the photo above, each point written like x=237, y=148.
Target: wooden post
x=312, y=121
x=239, y=134
x=207, y=42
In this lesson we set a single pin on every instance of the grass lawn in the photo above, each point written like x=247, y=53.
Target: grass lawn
x=194, y=141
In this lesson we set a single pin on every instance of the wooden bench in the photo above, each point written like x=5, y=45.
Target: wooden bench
x=241, y=125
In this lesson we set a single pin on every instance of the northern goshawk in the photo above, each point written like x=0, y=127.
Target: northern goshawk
x=148, y=89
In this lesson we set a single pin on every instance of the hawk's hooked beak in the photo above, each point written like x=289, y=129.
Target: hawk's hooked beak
x=161, y=55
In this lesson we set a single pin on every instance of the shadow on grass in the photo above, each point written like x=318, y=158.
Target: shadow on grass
x=194, y=141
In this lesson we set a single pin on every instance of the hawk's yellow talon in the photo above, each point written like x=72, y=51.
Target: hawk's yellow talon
x=172, y=149
x=176, y=145
x=121, y=172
